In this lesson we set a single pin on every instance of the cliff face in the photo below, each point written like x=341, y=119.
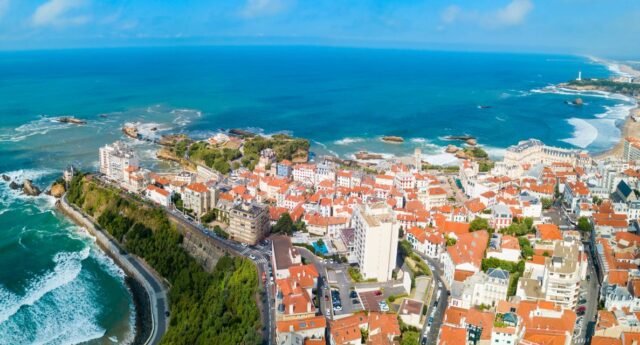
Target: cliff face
x=57, y=190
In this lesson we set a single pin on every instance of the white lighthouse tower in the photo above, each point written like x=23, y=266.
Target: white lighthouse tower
x=579, y=76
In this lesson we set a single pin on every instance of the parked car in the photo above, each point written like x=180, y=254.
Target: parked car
x=355, y=301
x=378, y=293
x=337, y=307
x=581, y=310
x=353, y=294
x=252, y=257
x=383, y=306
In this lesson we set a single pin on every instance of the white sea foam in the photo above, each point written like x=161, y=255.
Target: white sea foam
x=584, y=133
x=40, y=126
x=185, y=116
x=67, y=268
x=106, y=263
x=348, y=141
x=65, y=316
x=618, y=111
x=30, y=174
x=583, y=93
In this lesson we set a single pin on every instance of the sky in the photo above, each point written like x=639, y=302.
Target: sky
x=609, y=28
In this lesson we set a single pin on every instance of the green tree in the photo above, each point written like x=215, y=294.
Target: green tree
x=546, y=203
x=410, y=338
x=584, y=224
x=478, y=224
x=284, y=225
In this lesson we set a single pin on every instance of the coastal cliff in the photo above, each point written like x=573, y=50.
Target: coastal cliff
x=198, y=298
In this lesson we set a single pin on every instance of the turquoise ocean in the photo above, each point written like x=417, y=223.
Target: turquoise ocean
x=56, y=287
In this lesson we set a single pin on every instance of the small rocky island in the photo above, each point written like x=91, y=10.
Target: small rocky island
x=393, y=139
x=27, y=187
x=71, y=119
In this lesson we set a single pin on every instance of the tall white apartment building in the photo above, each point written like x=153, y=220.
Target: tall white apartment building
x=559, y=280
x=376, y=240
x=115, y=158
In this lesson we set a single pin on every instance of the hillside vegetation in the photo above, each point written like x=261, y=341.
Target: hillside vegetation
x=206, y=308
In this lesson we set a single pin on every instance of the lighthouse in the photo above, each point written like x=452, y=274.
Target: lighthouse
x=579, y=76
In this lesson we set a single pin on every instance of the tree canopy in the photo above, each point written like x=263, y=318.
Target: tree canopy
x=284, y=225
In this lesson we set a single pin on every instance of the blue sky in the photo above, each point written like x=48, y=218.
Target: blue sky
x=601, y=27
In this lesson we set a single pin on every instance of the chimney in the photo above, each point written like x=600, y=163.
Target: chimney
x=308, y=306
x=291, y=308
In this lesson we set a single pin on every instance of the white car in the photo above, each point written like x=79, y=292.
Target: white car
x=383, y=306
x=252, y=257
x=244, y=245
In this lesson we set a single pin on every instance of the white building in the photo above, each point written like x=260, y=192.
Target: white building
x=504, y=247
x=559, y=281
x=480, y=289
x=158, y=195
x=115, y=158
x=376, y=240
x=197, y=198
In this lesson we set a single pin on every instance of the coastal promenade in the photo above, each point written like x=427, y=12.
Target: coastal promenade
x=133, y=266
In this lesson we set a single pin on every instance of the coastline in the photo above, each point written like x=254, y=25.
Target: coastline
x=629, y=128
x=145, y=329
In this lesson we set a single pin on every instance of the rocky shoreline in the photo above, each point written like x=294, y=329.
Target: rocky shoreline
x=139, y=292
x=143, y=322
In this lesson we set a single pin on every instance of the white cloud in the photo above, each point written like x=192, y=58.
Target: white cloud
x=512, y=14
x=59, y=13
x=4, y=6
x=263, y=8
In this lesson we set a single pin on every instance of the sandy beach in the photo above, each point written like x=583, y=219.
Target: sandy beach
x=629, y=128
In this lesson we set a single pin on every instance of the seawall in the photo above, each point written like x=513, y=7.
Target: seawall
x=149, y=293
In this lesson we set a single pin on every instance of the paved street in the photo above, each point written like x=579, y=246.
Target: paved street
x=430, y=332
x=590, y=291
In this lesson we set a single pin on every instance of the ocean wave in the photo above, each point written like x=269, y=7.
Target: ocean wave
x=185, y=116
x=348, y=141
x=618, y=111
x=31, y=174
x=40, y=126
x=553, y=89
x=106, y=263
x=67, y=315
x=67, y=268
x=584, y=133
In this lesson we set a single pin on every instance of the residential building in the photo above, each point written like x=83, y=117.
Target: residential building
x=115, y=158
x=376, y=240
x=158, y=195
x=560, y=279
x=248, y=222
x=504, y=247
x=464, y=258
x=197, y=198
x=480, y=289
x=631, y=150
